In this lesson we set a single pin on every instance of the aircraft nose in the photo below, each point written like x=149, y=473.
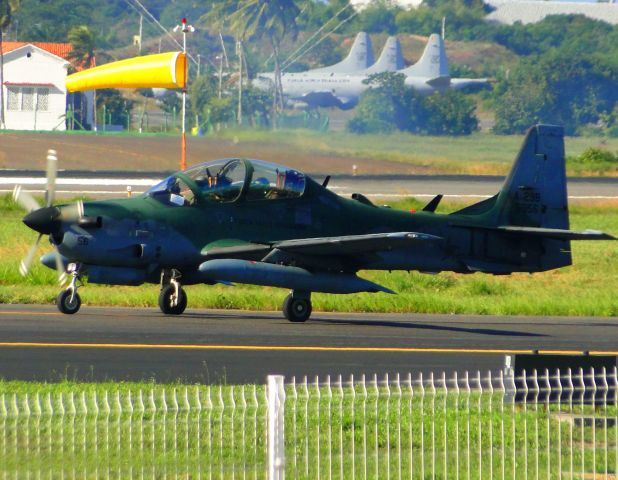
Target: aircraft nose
x=44, y=220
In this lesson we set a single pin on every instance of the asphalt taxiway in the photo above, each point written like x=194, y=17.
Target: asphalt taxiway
x=39, y=343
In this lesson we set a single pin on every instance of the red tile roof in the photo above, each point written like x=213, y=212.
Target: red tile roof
x=61, y=50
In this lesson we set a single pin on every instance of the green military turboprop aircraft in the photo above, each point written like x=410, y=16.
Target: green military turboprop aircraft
x=248, y=221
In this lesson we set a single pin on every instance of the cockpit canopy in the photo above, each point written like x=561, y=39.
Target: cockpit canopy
x=228, y=180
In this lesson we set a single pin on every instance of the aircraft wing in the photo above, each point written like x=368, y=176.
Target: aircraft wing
x=354, y=244
x=326, y=98
x=343, y=245
x=239, y=250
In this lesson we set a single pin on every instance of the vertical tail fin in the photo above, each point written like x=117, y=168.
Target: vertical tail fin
x=433, y=63
x=359, y=58
x=391, y=58
x=525, y=227
x=534, y=194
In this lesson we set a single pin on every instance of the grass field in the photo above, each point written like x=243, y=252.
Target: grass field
x=586, y=288
x=477, y=154
x=310, y=151
x=126, y=430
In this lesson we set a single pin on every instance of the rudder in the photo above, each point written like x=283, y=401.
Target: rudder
x=534, y=194
x=433, y=63
x=359, y=58
x=391, y=58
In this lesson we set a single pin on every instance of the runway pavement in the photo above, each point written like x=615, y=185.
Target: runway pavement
x=37, y=342
x=114, y=184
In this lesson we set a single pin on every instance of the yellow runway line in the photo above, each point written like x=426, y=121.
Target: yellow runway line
x=31, y=313
x=295, y=348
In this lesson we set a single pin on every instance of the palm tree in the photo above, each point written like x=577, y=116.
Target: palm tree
x=271, y=18
x=82, y=46
x=82, y=55
x=7, y=9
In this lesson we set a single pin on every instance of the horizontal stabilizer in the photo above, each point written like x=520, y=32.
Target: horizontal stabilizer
x=439, y=82
x=554, y=233
x=558, y=233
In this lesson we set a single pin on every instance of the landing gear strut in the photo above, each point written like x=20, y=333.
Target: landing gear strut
x=172, y=298
x=297, y=306
x=68, y=301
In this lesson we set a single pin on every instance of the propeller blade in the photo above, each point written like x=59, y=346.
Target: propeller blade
x=52, y=169
x=73, y=212
x=25, y=199
x=24, y=266
x=62, y=274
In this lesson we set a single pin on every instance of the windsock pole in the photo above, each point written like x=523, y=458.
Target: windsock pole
x=183, y=142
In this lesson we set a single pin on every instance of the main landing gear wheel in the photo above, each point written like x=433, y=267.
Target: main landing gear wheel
x=170, y=302
x=297, y=308
x=68, y=301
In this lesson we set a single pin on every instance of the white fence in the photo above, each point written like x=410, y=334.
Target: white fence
x=465, y=426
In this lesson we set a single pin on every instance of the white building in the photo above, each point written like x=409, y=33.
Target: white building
x=360, y=4
x=511, y=11
x=34, y=92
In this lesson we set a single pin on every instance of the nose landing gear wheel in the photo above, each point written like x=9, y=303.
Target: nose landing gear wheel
x=68, y=302
x=297, y=309
x=170, y=305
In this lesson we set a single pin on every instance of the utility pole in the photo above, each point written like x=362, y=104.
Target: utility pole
x=184, y=28
x=239, y=52
x=141, y=22
x=220, y=58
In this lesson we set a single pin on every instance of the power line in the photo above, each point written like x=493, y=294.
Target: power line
x=292, y=60
x=316, y=33
x=151, y=18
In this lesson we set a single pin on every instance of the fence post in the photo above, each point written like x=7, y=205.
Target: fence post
x=276, y=405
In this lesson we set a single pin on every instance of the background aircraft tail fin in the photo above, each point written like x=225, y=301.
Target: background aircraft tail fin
x=359, y=58
x=391, y=58
x=361, y=53
x=433, y=63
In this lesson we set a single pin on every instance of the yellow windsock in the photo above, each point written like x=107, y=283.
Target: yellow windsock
x=162, y=70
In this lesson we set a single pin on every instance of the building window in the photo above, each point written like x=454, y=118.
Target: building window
x=27, y=99
x=12, y=102
x=42, y=99
x=23, y=99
